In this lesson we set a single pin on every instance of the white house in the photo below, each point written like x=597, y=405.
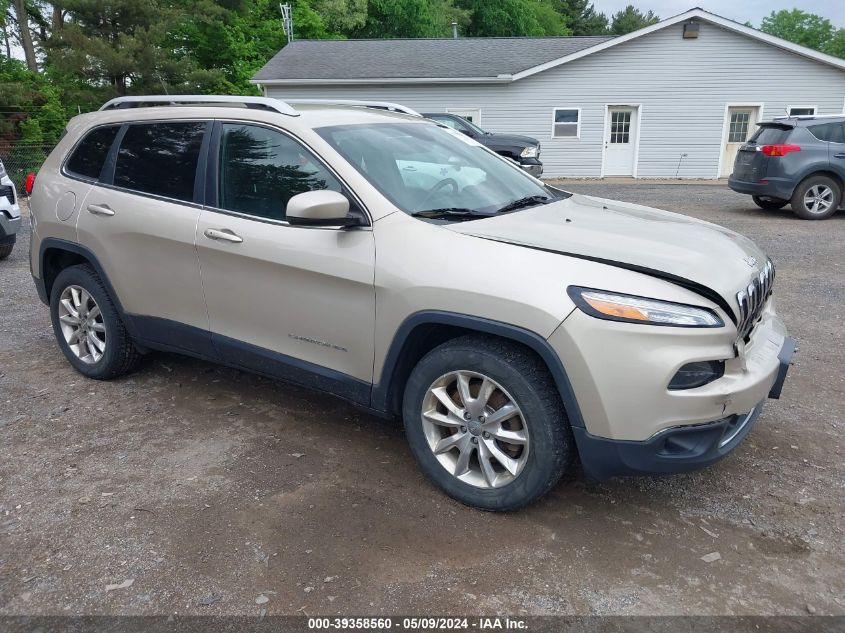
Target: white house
x=674, y=99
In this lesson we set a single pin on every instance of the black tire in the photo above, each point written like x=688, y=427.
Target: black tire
x=120, y=355
x=800, y=209
x=6, y=250
x=525, y=377
x=768, y=203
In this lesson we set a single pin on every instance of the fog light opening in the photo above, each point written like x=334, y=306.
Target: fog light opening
x=697, y=374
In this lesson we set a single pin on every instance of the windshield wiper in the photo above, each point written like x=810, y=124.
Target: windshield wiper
x=449, y=212
x=527, y=201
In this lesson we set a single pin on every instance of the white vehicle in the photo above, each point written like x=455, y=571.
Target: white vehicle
x=10, y=214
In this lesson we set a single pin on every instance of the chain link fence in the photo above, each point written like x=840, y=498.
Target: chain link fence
x=21, y=159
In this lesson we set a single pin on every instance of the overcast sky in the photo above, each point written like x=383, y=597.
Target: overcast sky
x=739, y=10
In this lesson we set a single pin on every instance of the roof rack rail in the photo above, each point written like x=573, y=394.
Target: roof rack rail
x=379, y=105
x=263, y=103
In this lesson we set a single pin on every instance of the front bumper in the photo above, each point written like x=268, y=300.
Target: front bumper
x=10, y=214
x=535, y=169
x=9, y=228
x=674, y=450
x=678, y=448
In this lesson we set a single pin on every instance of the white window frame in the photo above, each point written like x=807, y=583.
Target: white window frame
x=577, y=124
x=815, y=110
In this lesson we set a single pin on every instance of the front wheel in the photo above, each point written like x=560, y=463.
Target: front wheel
x=6, y=250
x=769, y=203
x=486, y=424
x=816, y=198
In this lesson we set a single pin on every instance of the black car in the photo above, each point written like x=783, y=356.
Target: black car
x=521, y=149
x=794, y=160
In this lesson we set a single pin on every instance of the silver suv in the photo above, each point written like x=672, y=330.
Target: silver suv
x=406, y=268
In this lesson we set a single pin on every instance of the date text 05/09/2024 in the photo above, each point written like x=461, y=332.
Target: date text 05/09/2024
x=418, y=623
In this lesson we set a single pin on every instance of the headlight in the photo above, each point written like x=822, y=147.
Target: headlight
x=528, y=152
x=631, y=309
x=2, y=169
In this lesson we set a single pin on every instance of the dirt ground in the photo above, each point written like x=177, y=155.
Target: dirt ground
x=199, y=489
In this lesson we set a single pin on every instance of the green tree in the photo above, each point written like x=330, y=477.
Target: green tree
x=549, y=19
x=118, y=42
x=33, y=106
x=25, y=33
x=398, y=18
x=513, y=18
x=800, y=27
x=836, y=45
x=408, y=18
x=631, y=19
x=341, y=16
x=581, y=17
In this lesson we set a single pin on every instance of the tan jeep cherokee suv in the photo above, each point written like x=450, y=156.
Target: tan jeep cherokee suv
x=361, y=250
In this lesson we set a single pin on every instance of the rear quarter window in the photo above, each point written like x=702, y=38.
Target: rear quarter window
x=88, y=157
x=830, y=132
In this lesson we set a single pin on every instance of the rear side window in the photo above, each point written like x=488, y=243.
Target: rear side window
x=88, y=157
x=766, y=135
x=830, y=132
x=160, y=158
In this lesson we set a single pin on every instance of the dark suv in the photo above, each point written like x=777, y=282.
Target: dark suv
x=523, y=150
x=797, y=160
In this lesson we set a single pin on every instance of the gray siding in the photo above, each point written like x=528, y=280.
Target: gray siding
x=682, y=86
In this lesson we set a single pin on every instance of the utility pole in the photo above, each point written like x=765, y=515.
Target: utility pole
x=287, y=21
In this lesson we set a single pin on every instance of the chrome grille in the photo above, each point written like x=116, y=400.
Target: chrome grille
x=752, y=299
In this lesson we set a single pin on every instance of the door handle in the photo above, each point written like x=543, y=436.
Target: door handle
x=839, y=155
x=223, y=234
x=100, y=209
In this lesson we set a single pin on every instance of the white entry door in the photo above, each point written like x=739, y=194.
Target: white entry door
x=620, y=141
x=473, y=115
x=740, y=124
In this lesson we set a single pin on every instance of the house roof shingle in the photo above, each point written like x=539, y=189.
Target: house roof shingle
x=418, y=58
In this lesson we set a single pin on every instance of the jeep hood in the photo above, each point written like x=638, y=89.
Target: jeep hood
x=702, y=256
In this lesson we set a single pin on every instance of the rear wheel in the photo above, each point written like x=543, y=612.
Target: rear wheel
x=486, y=424
x=87, y=326
x=769, y=203
x=816, y=198
x=6, y=250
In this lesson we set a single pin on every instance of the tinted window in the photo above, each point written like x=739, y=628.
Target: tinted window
x=766, y=135
x=261, y=169
x=831, y=132
x=160, y=158
x=88, y=157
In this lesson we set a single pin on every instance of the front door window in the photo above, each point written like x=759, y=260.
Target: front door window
x=261, y=169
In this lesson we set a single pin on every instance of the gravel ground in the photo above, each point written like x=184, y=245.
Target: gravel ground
x=199, y=489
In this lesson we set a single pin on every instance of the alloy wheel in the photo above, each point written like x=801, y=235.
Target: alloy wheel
x=82, y=324
x=475, y=429
x=818, y=199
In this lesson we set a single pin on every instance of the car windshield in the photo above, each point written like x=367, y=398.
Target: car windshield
x=430, y=171
x=473, y=126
